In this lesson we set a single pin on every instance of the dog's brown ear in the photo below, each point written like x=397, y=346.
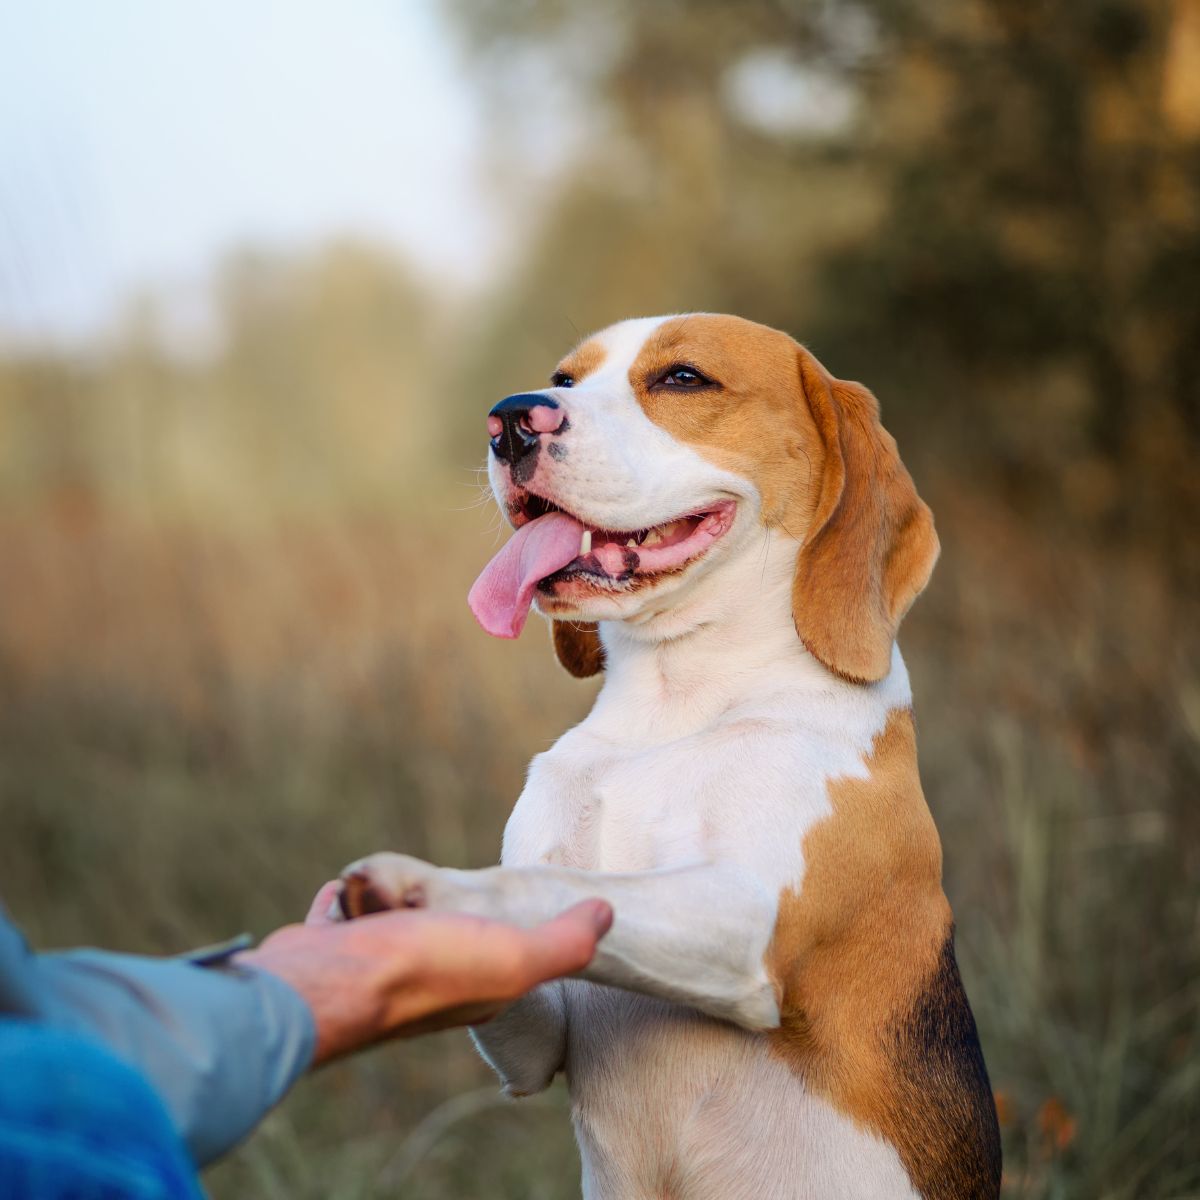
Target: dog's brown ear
x=577, y=644
x=871, y=545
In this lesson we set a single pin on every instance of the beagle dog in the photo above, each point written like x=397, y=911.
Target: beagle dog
x=727, y=532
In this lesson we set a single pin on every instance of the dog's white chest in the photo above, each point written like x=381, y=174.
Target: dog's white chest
x=667, y=1101
x=594, y=806
x=744, y=787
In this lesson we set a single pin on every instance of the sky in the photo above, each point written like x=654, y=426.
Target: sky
x=140, y=141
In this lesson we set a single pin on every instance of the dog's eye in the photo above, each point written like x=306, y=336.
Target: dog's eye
x=680, y=376
x=562, y=379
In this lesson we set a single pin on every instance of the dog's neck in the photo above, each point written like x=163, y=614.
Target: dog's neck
x=725, y=641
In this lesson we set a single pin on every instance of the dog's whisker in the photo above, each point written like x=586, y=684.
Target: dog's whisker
x=762, y=576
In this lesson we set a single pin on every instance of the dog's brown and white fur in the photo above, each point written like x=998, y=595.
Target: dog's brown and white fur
x=777, y=1011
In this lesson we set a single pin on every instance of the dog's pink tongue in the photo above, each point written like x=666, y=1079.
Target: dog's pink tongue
x=501, y=596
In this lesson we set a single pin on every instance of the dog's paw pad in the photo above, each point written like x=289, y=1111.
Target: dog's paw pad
x=359, y=895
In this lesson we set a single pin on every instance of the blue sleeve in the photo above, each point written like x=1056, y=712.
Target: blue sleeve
x=221, y=1045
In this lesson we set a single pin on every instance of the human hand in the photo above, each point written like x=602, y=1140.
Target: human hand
x=397, y=974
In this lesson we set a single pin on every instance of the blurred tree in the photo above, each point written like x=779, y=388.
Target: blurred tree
x=327, y=378
x=989, y=209
x=322, y=393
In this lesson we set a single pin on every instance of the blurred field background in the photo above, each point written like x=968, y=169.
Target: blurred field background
x=234, y=648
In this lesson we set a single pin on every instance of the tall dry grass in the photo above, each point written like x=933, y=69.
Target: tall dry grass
x=198, y=726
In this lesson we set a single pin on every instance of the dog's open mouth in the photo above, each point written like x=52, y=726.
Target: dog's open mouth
x=552, y=547
x=616, y=555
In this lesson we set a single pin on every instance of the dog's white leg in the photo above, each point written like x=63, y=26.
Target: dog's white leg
x=526, y=1045
x=696, y=934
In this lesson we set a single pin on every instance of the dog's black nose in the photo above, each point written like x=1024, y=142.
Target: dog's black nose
x=517, y=421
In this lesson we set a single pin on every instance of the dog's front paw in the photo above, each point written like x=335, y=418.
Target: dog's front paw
x=385, y=881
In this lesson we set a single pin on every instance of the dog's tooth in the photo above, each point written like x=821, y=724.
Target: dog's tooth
x=632, y=543
x=653, y=537
x=585, y=542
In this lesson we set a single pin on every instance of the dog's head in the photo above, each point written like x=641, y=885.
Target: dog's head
x=666, y=444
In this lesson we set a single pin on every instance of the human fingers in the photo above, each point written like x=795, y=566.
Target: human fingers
x=467, y=969
x=402, y=973
x=565, y=944
x=321, y=911
x=456, y=959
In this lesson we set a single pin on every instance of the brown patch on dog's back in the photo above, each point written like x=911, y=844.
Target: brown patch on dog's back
x=874, y=1016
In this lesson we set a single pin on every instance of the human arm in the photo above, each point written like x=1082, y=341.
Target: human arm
x=220, y=1045
x=223, y=1044
x=402, y=973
